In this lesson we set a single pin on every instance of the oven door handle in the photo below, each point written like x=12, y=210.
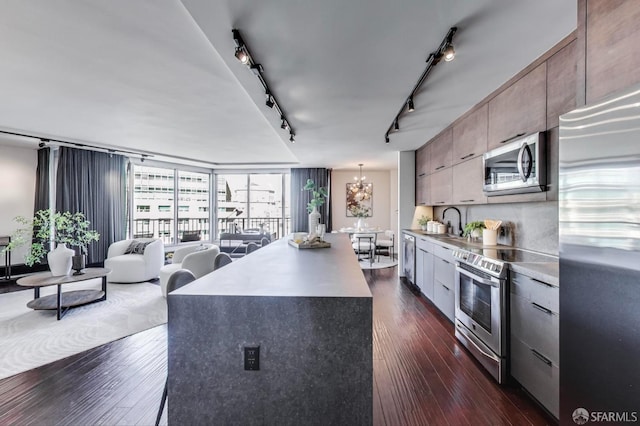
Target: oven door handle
x=477, y=278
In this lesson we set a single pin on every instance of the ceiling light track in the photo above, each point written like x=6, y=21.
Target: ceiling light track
x=47, y=141
x=445, y=51
x=244, y=56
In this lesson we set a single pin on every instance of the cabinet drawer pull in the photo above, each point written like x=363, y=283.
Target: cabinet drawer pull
x=439, y=202
x=541, y=282
x=512, y=137
x=541, y=357
x=445, y=261
x=467, y=201
x=542, y=308
x=447, y=288
x=467, y=156
x=439, y=167
x=421, y=174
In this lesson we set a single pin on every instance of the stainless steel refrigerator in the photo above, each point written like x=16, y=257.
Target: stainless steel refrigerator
x=599, y=215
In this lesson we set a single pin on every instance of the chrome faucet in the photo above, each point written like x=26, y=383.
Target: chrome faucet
x=459, y=219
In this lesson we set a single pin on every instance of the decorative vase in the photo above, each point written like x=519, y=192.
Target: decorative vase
x=78, y=263
x=314, y=220
x=360, y=223
x=60, y=260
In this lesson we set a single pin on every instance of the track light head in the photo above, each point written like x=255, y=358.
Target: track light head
x=291, y=138
x=386, y=138
x=410, y=106
x=396, y=126
x=449, y=53
x=242, y=55
x=269, y=101
x=284, y=124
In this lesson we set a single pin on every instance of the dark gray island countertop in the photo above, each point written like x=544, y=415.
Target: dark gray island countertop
x=308, y=311
x=282, y=270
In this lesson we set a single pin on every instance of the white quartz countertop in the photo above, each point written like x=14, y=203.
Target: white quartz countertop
x=281, y=270
x=543, y=271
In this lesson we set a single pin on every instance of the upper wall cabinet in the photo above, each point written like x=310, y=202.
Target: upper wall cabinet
x=467, y=182
x=612, y=49
x=441, y=151
x=422, y=160
x=561, y=83
x=470, y=135
x=440, y=187
x=423, y=191
x=519, y=109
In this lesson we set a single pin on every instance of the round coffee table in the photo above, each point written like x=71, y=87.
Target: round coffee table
x=62, y=302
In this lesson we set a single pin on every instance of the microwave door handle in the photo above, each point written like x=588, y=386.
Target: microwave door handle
x=477, y=278
x=524, y=174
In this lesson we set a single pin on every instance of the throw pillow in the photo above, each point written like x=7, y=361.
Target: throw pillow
x=137, y=247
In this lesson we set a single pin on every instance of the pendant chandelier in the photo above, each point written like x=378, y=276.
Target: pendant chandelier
x=362, y=190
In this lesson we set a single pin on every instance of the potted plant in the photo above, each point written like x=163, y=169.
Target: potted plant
x=318, y=196
x=473, y=229
x=423, y=221
x=61, y=228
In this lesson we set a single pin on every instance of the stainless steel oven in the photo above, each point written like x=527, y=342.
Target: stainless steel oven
x=482, y=309
x=517, y=167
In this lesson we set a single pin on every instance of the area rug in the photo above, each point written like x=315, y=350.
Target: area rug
x=30, y=339
x=384, y=262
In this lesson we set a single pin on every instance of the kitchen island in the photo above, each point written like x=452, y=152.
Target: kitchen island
x=309, y=311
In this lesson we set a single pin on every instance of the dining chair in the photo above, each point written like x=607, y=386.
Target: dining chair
x=221, y=260
x=364, y=243
x=387, y=243
x=251, y=247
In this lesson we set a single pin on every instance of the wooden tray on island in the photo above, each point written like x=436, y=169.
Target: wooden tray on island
x=314, y=245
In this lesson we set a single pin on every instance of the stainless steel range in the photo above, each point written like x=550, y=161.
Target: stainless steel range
x=482, y=309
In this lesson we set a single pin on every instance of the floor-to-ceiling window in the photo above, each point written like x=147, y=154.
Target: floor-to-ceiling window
x=257, y=201
x=170, y=204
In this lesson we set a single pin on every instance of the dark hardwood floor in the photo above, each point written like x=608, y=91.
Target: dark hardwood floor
x=422, y=376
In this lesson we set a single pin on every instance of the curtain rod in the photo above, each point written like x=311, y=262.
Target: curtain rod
x=44, y=140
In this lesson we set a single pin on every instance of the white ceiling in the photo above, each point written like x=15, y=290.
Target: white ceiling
x=160, y=76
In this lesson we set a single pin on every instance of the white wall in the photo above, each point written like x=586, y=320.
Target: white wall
x=17, y=191
x=382, y=202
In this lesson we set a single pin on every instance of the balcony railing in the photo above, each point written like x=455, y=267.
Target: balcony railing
x=163, y=228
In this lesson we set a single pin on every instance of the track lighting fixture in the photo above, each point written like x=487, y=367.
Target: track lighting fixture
x=445, y=51
x=449, y=53
x=291, y=137
x=244, y=56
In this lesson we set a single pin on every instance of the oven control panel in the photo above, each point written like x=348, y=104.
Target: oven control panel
x=491, y=266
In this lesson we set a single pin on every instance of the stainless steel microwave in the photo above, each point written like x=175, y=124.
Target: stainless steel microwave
x=518, y=167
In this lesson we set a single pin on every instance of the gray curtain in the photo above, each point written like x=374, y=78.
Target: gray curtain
x=300, y=197
x=41, y=201
x=94, y=183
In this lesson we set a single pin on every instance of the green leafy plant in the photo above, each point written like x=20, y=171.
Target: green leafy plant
x=472, y=226
x=423, y=220
x=318, y=195
x=46, y=226
x=360, y=211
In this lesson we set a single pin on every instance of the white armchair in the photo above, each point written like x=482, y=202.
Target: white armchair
x=198, y=259
x=134, y=268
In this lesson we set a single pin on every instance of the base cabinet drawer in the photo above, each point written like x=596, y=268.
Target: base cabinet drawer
x=444, y=298
x=444, y=271
x=537, y=374
x=536, y=326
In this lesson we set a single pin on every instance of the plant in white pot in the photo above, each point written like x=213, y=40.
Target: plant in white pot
x=47, y=226
x=361, y=212
x=318, y=196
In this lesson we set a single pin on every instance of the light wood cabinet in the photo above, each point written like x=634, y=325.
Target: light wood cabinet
x=441, y=151
x=422, y=160
x=467, y=182
x=470, y=135
x=561, y=83
x=519, y=109
x=423, y=191
x=440, y=187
